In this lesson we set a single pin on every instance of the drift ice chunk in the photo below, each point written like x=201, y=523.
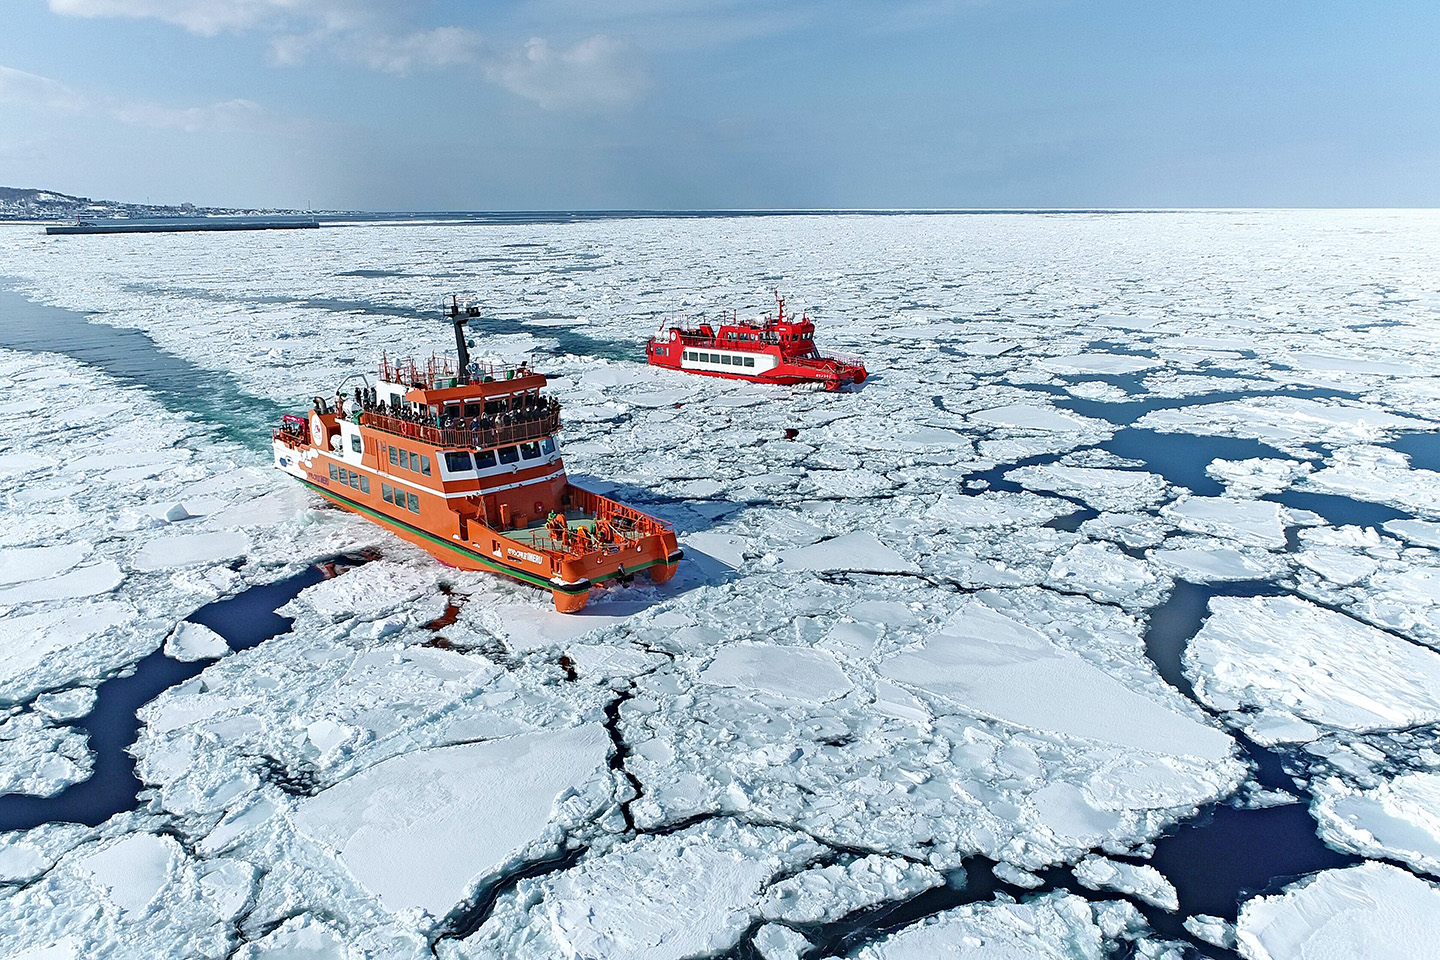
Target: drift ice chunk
x=825, y=894
x=1026, y=416
x=407, y=827
x=1424, y=532
x=27, y=640
x=1002, y=668
x=1137, y=880
x=1379, y=475
x=190, y=549
x=997, y=510
x=689, y=894
x=1369, y=910
x=859, y=552
x=1254, y=522
x=194, y=641
x=1106, y=363
x=134, y=869
x=775, y=941
x=1399, y=820
x=298, y=938
x=1216, y=563
x=1293, y=658
x=1212, y=930
x=1284, y=421
x=1053, y=927
x=1257, y=476
x=370, y=591
x=525, y=627
x=1102, y=488
x=795, y=673
x=38, y=563
x=88, y=581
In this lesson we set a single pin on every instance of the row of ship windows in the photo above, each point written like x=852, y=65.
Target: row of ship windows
x=400, y=498
x=702, y=357
x=406, y=460
x=351, y=478
x=358, y=481
x=459, y=460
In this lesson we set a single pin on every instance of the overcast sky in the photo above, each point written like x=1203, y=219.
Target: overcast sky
x=595, y=104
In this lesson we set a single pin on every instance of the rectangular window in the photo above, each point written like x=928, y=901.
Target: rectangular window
x=355, y=442
x=686, y=355
x=387, y=492
x=529, y=450
x=456, y=461
x=354, y=479
x=485, y=459
x=424, y=465
x=394, y=399
x=509, y=455
x=364, y=484
x=749, y=361
x=472, y=409
x=412, y=503
x=547, y=446
x=404, y=458
x=394, y=457
x=344, y=475
x=725, y=358
x=334, y=474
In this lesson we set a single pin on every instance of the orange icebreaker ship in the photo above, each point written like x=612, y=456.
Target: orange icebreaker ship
x=778, y=349
x=464, y=463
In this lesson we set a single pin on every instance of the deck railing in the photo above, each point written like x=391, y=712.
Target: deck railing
x=293, y=440
x=495, y=436
x=437, y=373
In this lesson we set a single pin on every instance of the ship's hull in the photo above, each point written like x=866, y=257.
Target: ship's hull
x=469, y=544
x=784, y=374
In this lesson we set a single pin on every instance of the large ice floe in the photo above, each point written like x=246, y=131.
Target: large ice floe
x=899, y=700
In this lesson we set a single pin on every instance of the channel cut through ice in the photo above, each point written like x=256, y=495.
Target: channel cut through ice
x=909, y=640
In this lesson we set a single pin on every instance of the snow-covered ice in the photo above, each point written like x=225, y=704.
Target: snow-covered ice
x=996, y=666
x=911, y=631
x=1369, y=910
x=1054, y=927
x=1398, y=820
x=193, y=641
x=1268, y=658
x=420, y=829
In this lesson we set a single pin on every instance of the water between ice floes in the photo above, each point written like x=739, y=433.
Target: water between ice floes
x=1215, y=860
x=132, y=357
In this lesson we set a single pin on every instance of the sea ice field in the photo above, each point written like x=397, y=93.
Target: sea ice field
x=1102, y=621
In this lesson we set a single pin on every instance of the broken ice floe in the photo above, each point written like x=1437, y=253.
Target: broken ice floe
x=1280, y=664
x=1369, y=910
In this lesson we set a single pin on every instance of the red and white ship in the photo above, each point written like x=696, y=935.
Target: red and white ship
x=778, y=349
x=464, y=462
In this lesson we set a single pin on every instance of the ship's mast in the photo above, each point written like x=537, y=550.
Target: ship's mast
x=461, y=352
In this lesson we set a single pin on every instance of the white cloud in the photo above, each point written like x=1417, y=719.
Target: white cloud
x=225, y=115
x=17, y=86
x=399, y=54
x=210, y=17
x=598, y=71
